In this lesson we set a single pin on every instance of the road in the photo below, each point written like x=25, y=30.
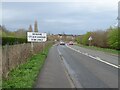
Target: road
x=88, y=68
x=53, y=73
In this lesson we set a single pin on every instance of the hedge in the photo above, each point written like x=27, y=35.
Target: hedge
x=113, y=38
x=13, y=40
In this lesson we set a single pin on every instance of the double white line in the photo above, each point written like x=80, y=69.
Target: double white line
x=96, y=58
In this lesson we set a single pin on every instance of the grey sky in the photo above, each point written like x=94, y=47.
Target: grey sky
x=59, y=17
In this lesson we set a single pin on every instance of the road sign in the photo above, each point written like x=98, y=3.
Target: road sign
x=36, y=37
x=90, y=38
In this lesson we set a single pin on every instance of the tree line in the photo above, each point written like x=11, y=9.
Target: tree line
x=105, y=39
x=16, y=37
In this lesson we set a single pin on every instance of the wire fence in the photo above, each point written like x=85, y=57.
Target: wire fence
x=14, y=55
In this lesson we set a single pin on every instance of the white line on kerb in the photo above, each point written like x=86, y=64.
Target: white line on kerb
x=97, y=58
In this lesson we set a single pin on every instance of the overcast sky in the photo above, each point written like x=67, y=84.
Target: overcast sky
x=59, y=17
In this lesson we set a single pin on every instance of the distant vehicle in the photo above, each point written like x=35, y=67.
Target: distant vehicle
x=62, y=43
x=70, y=43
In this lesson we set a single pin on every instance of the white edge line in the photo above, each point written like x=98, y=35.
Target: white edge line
x=72, y=75
x=73, y=81
x=66, y=72
x=59, y=51
x=97, y=58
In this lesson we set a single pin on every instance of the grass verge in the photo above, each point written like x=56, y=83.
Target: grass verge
x=25, y=75
x=107, y=50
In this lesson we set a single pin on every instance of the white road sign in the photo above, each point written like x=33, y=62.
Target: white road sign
x=90, y=38
x=36, y=37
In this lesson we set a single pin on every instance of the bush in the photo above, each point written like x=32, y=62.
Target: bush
x=104, y=39
x=113, y=38
x=77, y=39
x=100, y=38
x=85, y=40
x=13, y=40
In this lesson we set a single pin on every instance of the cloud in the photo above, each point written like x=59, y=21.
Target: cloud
x=92, y=6
x=9, y=14
x=63, y=21
x=77, y=17
x=0, y=13
x=59, y=1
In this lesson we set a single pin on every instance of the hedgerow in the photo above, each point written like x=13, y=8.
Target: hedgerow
x=13, y=40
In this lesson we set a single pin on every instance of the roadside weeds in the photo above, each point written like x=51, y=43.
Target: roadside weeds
x=25, y=75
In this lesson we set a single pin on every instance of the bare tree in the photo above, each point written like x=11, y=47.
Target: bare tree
x=99, y=38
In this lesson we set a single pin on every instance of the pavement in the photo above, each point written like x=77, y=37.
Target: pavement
x=53, y=74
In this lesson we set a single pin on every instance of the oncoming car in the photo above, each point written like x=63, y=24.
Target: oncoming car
x=62, y=43
x=70, y=43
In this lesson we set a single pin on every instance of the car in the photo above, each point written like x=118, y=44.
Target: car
x=62, y=43
x=70, y=43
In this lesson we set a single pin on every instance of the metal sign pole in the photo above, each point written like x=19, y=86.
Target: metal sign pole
x=43, y=47
x=90, y=40
x=32, y=47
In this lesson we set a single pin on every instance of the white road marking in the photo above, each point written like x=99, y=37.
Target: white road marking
x=96, y=58
x=59, y=52
x=66, y=72
x=72, y=75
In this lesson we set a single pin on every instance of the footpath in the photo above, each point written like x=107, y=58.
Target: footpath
x=53, y=73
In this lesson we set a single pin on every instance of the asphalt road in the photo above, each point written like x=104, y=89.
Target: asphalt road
x=53, y=73
x=102, y=55
x=88, y=68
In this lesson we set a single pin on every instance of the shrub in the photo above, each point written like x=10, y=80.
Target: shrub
x=13, y=40
x=100, y=38
x=113, y=38
x=85, y=40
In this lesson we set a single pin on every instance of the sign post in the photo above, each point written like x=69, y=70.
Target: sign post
x=90, y=40
x=36, y=37
x=32, y=46
x=43, y=47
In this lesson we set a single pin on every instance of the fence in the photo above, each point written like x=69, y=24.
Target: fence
x=14, y=55
x=0, y=67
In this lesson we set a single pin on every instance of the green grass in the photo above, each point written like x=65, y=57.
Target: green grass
x=25, y=75
x=112, y=51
